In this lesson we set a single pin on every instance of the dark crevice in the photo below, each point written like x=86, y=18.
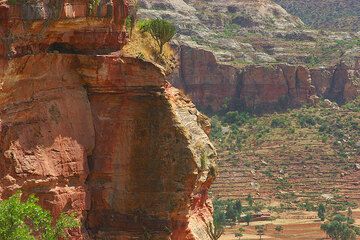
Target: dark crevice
x=66, y=48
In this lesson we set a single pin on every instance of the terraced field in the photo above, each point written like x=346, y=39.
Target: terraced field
x=294, y=225
x=292, y=158
x=333, y=14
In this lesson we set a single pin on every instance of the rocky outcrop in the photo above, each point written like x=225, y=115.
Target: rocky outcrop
x=261, y=88
x=199, y=75
x=30, y=28
x=104, y=136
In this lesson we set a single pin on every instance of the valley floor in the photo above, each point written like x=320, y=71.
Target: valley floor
x=297, y=225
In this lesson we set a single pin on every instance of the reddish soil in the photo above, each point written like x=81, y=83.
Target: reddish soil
x=306, y=227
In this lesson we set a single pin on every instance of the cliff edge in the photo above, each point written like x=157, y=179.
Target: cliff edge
x=88, y=130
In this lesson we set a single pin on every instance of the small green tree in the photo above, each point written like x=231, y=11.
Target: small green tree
x=231, y=213
x=28, y=221
x=279, y=229
x=250, y=200
x=321, y=212
x=341, y=228
x=247, y=218
x=260, y=230
x=238, y=206
x=240, y=233
x=161, y=31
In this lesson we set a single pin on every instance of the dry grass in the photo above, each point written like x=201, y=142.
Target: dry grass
x=142, y=45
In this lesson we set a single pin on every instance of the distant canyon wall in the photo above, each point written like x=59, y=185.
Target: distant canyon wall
x=261, y=88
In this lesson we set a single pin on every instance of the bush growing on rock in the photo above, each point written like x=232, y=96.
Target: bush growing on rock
x=26, y=220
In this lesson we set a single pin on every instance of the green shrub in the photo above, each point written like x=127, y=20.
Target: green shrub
x=143, y=24
x=26, y=220
x=161, y=31
x=280, y=122
x=93, y=4
x=321, y=212
x=312, y=60
x=306, y=120
x=341, y=228
x=237, y=118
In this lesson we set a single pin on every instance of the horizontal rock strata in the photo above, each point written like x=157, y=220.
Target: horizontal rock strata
x=261, y=88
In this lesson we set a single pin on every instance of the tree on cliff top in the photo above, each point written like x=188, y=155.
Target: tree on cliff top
x=161, y=31
x=28, y=221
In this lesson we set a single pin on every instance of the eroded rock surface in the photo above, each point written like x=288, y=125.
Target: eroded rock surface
x=261, y=88
x=102, y=135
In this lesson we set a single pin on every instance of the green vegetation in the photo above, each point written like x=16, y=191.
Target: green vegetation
x=161, y=31
x=247, y=218
x=260, y=230
x=327, y=14
x=312, y=60
x=340, y=227
x=279, y=229
x=321, y=212
x=250, y=200
x=240, y=233
x=26, y=220
x=279, y=122
x=93, y=4
x=278, y=148
x=229, y=212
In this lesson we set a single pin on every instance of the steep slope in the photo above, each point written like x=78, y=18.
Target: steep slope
x=299, y=156
x=246, y=13
x=326, y=14
x=90, y=131
x=244, y=32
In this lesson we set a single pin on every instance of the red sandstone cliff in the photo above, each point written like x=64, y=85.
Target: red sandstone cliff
x=261, y=88
x=102, y=135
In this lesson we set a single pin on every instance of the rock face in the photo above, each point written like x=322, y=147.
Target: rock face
x=44, y=26
x=261, y=88
x=200, y=76
x=105, y=136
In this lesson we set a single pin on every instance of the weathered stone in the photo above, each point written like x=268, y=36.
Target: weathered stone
x=102, y=135
x=260, y=88
x=26, y=29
